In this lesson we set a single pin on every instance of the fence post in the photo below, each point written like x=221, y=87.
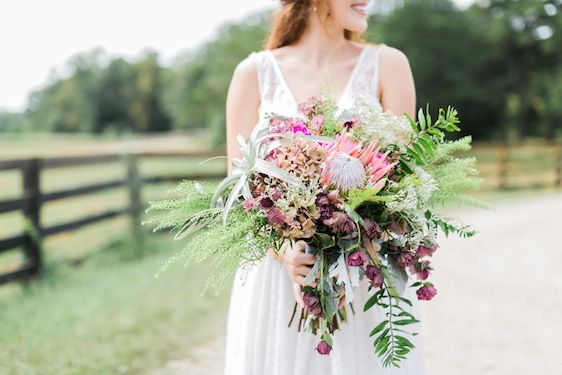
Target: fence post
x=503, y=161
x=558, y=181
x=135, y=201
x=32, y=213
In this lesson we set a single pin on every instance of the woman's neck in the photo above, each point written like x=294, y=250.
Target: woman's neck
x=321, y=43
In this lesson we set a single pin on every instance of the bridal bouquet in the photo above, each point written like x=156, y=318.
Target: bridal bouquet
x=361, y=189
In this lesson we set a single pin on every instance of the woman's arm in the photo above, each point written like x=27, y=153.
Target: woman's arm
x=242, y=104
x=397, y=87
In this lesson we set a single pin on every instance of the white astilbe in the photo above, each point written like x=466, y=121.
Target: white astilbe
x=298, y=196
x=386, y=127
x=403, y=201
x=427, y=187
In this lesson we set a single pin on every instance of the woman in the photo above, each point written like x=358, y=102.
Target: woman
x=311, y=40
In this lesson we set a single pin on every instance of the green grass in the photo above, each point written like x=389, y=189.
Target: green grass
x=109, y=315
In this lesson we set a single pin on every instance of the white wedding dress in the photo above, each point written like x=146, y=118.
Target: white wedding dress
x=258, y=340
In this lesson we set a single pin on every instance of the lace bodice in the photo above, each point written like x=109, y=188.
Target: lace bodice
x=276, y=96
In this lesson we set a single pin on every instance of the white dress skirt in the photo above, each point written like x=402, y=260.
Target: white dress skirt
x=258, y=338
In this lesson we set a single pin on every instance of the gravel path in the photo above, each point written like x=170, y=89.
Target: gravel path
x=499, y=297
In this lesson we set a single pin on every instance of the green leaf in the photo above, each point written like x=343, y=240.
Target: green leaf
x=421, y=119
x=373, y=300
x=378, y=328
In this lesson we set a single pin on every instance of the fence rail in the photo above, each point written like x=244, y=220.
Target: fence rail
x=32, y=199
x=502, y=165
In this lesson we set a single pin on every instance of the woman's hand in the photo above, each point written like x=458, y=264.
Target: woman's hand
x=296, y=263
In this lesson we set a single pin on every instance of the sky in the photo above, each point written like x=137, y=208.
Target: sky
x=37, y=37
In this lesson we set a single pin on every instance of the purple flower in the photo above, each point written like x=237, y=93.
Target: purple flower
x=374, y=274
x=373, y=230
x=312, y=303
x=405, y=259
x=266, y=203
x=357, y=258
x=276, y=217
x=426, y=292
x=423, y=251
x=323, y=348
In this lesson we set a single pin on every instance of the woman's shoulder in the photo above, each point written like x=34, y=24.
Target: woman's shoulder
x=391, y=56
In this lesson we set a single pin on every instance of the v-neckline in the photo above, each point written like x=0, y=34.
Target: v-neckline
x=277, y=68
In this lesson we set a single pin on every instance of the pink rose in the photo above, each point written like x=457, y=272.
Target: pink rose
x=357, y=258
x=323, y=348
x=405, y=259
x=426, y=292
x=375, y=275
x=423, y=251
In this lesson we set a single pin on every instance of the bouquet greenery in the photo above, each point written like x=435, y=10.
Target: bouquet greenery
x=362, y=189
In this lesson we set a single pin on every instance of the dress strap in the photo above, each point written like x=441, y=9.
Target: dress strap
x=366, y=82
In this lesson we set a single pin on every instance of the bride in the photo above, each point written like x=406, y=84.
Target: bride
x=310, y=40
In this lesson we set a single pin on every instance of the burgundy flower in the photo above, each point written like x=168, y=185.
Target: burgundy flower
x=323, y=348
x=276, y=217
x=423, y=251
x=399, y=226
x=405, y=259
x=312, y=303
x=351, y=123
x=357, y=258
x=374, y=274
x=421, y=269
x=266, y=202
x=340, y=223
x=426, y=292
x=373, y=230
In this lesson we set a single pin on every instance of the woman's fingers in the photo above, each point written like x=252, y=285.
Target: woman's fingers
x=298, y=295
x=342, y=300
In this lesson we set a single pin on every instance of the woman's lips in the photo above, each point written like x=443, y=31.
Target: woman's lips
x=360, y=8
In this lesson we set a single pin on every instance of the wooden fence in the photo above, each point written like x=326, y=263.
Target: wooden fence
x=503, y=166
x=32, y=199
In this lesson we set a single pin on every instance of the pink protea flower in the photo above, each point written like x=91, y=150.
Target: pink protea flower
x=426, y=292
x=350, y=165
